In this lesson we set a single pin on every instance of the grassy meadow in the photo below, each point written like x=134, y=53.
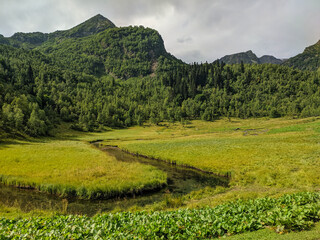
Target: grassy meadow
x=264, y=156
x=70, y=167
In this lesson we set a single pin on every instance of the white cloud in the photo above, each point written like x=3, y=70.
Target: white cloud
x=193, y=30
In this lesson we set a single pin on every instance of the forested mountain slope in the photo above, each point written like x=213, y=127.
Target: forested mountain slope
x=308, y=60
x=98, y=47
x=124, y=52
x=93, y=25
x=118, y=77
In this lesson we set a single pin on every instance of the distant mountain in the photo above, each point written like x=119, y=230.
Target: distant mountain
x=97, y=75
x=269, y=59
x=245, y=57
x=98, y=47
x=308, y=60
x=123, y=52
x=249, y=58
x=92, y=26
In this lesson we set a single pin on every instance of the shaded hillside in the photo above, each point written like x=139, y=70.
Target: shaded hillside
x=249, y=58
x=308, y=60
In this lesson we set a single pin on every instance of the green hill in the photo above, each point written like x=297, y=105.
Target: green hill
x=96, y=75
x=92, y=26
x=124, y=52
x=308, y=60
x=98, y=47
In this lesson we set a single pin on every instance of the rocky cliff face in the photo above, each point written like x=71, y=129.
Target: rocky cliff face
x=249, y=58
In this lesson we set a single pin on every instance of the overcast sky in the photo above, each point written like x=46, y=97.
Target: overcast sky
x=193, y=30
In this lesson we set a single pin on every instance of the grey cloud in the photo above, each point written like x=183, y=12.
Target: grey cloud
x=184, y=40
x=193, y=30
x=190, y=55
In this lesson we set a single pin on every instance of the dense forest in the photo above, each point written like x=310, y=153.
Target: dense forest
x=119, y=77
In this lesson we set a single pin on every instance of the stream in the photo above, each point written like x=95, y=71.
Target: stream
x=181, y=181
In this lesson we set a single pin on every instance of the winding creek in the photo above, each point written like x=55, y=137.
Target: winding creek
x=181, y=181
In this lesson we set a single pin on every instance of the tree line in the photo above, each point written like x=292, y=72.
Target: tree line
x=36, y=93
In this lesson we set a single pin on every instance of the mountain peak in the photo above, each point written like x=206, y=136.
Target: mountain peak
x=249, y=57
x=245, y=57
x=99, y=16
x=98, y=19
x=269, y=59
x=96, y=24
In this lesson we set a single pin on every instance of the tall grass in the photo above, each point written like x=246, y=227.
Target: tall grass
x=281, y=154
x=73, y=168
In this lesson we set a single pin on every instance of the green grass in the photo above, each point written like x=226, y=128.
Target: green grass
x=310, y=124
x=70, y=167
x=268, y=234
x=17, y=213
x=265, y=156
x=282, y=161
x=282, y=157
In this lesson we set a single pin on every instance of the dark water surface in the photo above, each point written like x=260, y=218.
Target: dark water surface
x=181, y=181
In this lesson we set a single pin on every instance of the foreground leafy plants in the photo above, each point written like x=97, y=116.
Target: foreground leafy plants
x=288, y=213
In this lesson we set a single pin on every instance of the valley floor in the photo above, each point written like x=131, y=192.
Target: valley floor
x=68, y=167
x=265, y=157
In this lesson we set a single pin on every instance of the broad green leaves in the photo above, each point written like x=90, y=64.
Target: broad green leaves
x=290, y=212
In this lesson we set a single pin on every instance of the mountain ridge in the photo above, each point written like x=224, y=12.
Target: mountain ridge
x=249, y=57
x=98, y=47
x=124, y=76
x=309, y=59
x=93, y=25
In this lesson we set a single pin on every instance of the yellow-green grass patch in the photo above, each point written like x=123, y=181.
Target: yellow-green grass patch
x=16, y=213
x=283, y=160
x=68, y=167
x=270, y=234
x=275, y=154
